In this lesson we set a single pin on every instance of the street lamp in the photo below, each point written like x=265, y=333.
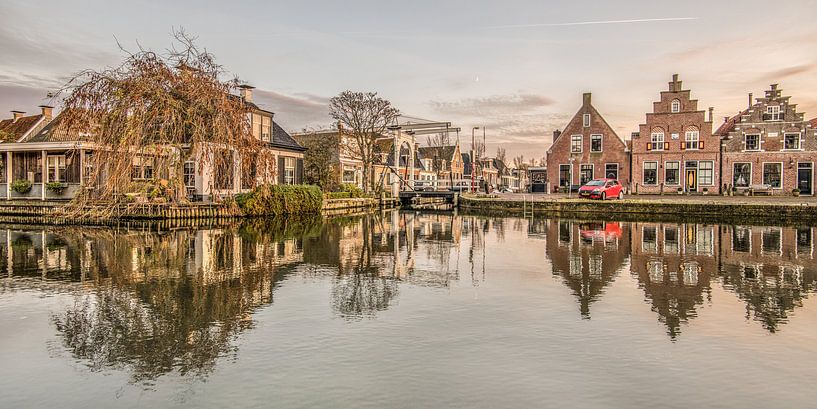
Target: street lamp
x=473, y=162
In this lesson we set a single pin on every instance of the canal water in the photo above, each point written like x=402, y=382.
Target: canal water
x=405, y=309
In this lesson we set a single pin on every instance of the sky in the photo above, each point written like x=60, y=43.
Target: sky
x=516, y=68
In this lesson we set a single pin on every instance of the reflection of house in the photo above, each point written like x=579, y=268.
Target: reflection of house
x=673, y=263
x=771, y=269
x=51, y=153
x=587, y=256
x=769, y=145
x=675, y=149
x=587, y=149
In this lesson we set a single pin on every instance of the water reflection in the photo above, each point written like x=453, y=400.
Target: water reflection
x=152, y=303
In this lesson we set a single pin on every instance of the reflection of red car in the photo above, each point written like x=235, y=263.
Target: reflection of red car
x=600, y=231
x=602, y=189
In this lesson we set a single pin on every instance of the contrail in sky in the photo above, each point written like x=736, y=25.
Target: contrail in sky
x=587, y=23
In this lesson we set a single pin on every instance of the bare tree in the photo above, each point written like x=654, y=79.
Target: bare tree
x=440, y=139
x=367, y=117
x=500, y=154
x=162, y=108
x=519, y=162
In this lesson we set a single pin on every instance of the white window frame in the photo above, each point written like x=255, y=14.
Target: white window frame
x=572, y=143
x=59, y=171
x=644, y=173
x=692, y=137
x=746, y=142
x=749, y=183
x=700, y=173
x=644, y=236
x=748, y=231
x=678, y=178
x=289, y=170
x=763, y=233
x=657, y=141
x=586, y=120
x=799, y=142
x=185, y=174
x=675, y=106
x=592, y=171
x=611, y=163
x=601, y=142
x=774, y=112
x=763, y=173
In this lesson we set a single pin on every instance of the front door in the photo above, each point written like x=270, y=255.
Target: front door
x=804, y=178
x=692, y=180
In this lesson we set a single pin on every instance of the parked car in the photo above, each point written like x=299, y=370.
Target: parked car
x=602, y=189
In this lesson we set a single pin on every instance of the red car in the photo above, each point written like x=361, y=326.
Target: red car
x=602, y=189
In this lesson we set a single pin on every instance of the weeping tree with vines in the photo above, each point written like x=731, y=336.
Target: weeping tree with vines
x=165, y=108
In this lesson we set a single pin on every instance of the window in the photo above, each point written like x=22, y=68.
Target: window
x=752, y=142
x=586, y=120
x=649, y=237
x=576, y=144
x=656, y=271
x=585, y=174
x=773, y=113
x=189, y=175
x=595, y=143
x=675, y=106
x=672, y=173
x=89, y=168
x=692, y=139
x=564, y=175
x=289, y=171
x=657, y=141
x=706, y=173
x=256, y=126
x=741, y=239
x=671, y=240
x=690, y=269
x=56, y=168
x=742, y=175
x=349, y=175
x=142, y=168
x=791, y=141
x=564, y=231
x=770, y=241
x=650, y=173
x=266, y=122
x=804, y=241
x=611, y=170
x=772, y=173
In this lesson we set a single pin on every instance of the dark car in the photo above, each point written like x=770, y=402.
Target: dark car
x=602, y=189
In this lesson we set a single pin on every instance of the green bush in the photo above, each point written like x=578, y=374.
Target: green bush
x=275, y=200
x=352, y=190
x=56, y=187
x=21, y=186
x=337, y=195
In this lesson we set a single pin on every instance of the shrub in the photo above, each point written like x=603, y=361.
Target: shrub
x=353, y=190
x=21, y=186
x=275, y=200
x=56, y=187
x=337, y=195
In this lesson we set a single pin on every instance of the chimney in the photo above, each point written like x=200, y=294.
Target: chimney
x=586, y=98
x=340, y=127
x=17, y=115
x=246, y=92
x=557, y=132
x=750, y=100
x=725, y=119
x=48, y=111
x=711, y=114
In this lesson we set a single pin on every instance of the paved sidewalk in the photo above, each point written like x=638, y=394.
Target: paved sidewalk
x=782, y=200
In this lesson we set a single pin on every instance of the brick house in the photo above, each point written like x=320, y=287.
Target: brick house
x=769, y=146
x=587, y=149
x=445, y=161
x=675, y=149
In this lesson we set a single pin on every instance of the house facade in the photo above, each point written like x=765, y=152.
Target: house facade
x=445, y=162
x=587, y=149
x=675, y=150
x=769, y=146
x=51, y=162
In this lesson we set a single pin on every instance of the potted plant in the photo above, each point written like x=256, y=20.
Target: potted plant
x=21, y=186
x=56, y=187
x=706, y=191
x=680, y=190
x=795, y=192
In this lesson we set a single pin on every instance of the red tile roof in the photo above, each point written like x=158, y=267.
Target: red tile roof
x=813, y=123
x=729, y=125
x=11, y=130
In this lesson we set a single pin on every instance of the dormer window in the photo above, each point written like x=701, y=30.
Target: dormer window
x=675, y=106
x=586, y=120
x=773, y=113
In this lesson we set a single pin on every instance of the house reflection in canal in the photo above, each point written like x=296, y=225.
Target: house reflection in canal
x=587, y=256
x=673, y=264
x=771, y=269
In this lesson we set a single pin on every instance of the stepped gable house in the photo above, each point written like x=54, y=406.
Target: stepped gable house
x=587, y=149
x=675, y=149
x=769, y=146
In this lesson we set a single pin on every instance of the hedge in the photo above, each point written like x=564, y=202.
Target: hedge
x=276, y=200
